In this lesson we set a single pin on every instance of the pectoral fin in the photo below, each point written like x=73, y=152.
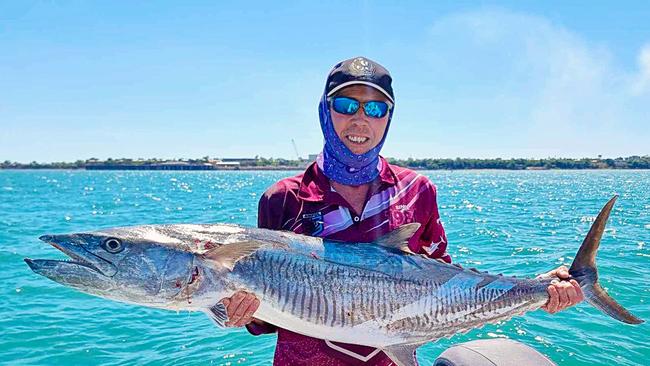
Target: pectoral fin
x=218, y=314
x=403, y=354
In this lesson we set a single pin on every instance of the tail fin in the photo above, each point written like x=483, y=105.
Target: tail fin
x=583, y=269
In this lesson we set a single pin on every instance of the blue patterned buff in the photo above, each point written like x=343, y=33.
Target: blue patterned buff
x=339, y=163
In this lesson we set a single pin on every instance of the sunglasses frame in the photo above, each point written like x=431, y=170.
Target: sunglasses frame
x=362, y=105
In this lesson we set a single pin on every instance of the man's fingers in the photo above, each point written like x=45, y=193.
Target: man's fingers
x=575, y=294
x=562, y=272
x=562, y=294
x=571, y=293
x=579, y=293
x=240, y=308
x=252, y=308
x=243, y=306
x=235, y=299
x=233, y=305
x=562, y=289
x=551, y=305
x=248, y=313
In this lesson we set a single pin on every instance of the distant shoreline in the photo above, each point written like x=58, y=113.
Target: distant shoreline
x=271, y=164
x=279, y=169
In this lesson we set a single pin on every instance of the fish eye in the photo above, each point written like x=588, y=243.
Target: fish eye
x=113, y=245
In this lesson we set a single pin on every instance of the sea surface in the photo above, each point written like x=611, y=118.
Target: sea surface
x=513, y=222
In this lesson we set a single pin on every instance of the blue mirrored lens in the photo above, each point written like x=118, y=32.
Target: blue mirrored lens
x=345, y=105
x=375, y=109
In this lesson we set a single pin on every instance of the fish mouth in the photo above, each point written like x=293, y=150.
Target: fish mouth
x=80, y=258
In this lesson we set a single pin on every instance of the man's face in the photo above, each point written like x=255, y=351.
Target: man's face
x=359, y=132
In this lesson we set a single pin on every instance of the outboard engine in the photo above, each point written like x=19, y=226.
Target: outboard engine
x=492, y=352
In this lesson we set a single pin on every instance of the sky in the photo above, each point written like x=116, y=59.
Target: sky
x=188, y=79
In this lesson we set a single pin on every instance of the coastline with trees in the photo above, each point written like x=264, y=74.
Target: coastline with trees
x=260, y=163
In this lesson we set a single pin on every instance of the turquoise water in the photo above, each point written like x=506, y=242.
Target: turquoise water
x=518, y=223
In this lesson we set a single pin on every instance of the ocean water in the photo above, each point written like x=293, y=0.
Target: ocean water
x=517, y=223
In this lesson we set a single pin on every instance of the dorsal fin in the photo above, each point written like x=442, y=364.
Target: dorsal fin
x=228, y=255
x=399, y=238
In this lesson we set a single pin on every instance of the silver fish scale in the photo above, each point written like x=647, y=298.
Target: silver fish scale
x=344, y=296
x=362, y=293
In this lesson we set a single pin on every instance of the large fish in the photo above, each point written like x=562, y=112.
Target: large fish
x=372, y=294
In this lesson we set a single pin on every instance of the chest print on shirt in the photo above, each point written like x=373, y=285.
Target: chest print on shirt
x=313, y=223
x=401, y=215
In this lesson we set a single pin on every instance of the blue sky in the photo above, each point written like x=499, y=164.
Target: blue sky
x=237, y=79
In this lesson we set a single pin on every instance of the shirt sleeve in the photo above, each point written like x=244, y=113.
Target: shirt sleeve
x=270, y=209
x=433, y=240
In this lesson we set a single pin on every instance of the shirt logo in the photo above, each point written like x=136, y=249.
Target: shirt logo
x=361, y=67
x=401, y=217
x=313, y=223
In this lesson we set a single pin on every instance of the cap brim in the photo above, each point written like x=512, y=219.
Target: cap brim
x=361, y=82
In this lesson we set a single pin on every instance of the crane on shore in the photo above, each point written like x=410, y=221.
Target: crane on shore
x=295, y=149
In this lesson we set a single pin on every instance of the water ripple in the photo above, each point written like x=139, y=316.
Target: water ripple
x=519, y=223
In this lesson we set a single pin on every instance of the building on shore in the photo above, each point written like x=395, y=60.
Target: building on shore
x=240, y=161
x=168, y=165
x=227, y=164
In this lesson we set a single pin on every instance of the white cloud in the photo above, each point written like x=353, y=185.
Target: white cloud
x=541, y=86
x=642, y=83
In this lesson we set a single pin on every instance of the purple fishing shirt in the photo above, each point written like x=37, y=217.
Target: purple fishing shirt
x=306, y=204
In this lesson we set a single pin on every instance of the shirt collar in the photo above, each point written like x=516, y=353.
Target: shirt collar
x=315, y=185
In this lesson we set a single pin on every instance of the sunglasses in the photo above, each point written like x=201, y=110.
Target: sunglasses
x=350, y=106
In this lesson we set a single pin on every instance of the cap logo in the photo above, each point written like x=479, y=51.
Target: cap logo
x=361, y=67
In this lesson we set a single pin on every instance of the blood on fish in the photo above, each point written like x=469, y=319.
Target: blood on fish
x=195, y=275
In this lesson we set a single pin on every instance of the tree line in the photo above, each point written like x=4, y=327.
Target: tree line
x=630, y=162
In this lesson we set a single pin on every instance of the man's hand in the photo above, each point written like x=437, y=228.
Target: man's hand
x=240, y=308
x=562, y=294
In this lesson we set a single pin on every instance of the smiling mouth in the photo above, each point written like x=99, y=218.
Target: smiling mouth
x=357, y=140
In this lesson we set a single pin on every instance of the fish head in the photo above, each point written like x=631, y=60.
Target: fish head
x=119, y=266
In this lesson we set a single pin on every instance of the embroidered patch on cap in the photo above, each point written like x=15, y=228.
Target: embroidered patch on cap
x=361, y=67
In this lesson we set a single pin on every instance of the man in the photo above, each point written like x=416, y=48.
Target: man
x=352, y=194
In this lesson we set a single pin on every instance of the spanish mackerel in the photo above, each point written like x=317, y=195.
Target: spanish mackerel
x=373, y=294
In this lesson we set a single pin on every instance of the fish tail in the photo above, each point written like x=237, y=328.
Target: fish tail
x=584, y=270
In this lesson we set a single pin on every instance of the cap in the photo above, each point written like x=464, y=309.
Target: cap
x=359, y=70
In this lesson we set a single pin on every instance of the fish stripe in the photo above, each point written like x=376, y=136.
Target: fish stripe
x=338, y=296
x=294, y=299
x=317, y=298
x=333, y=296
x=303, y=291
x=272, y=280
x=310, y=300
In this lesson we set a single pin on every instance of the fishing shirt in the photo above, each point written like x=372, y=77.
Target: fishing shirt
x=307, y=204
